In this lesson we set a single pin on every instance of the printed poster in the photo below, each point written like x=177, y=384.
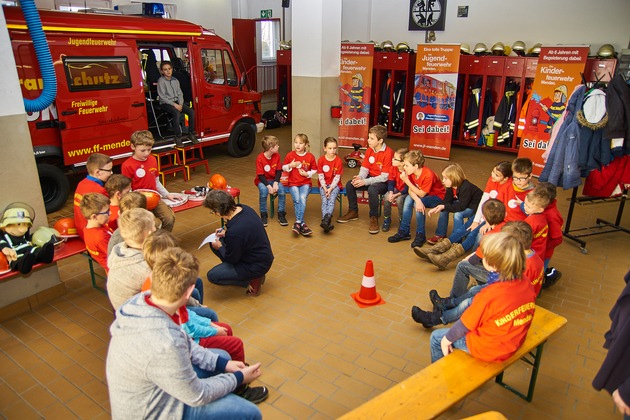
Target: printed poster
x=355, y=93
x=558, y=73
x=435, y=88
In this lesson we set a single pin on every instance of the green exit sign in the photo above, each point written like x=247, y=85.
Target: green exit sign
x=265, y=14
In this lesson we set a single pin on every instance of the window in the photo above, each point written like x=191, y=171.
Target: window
x=78, y=6
x=269, y=39
x=218, y=67
x=97, y=73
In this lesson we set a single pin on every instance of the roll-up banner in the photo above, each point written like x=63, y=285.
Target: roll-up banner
x=355, y=93
x=435, y=87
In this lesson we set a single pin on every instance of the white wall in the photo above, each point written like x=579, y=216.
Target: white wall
x=250, y=9
x=490, y=21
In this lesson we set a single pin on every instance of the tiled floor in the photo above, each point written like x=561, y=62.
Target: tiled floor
x=321, y=354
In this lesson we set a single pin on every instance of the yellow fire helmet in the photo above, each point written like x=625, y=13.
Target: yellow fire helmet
x=285, y=45
x=562, y=89
x=534, y=50
x=359, y=77
x=606, y=50
x=519, y=48
x=498, y=48
x=480, y=48
x=387, y=45
x=43, y=234
x=403, y=47
x=464, y=48
x=17, y=213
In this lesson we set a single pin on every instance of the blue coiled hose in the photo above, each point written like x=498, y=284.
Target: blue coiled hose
x=44, y=58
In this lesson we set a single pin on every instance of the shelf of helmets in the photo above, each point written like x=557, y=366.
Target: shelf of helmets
x=283, y=82
x=486, y=77
x=393, y=80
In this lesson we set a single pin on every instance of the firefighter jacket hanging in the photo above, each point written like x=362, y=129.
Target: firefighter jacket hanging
x=472, y=113
x=506, y=115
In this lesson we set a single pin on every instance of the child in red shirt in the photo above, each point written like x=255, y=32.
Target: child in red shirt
x=301, y=166
x=373, y=176
x=554, y=237
x=141, y=168
x=329, y=170
x=99, y=167
x=397, y=190
x=268, y=173
x=95, y=209
x=116, y=186
x=534, y=206
x=521, y=185
x=496, y=323
x=425, y=191
x=499, y=182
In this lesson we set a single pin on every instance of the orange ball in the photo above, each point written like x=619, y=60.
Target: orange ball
x=217, y=182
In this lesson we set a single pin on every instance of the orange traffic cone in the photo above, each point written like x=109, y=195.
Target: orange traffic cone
x=368, y=296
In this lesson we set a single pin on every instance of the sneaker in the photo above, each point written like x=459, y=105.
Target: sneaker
x=434, y=240
x=265, y=218
x=255, y=285
x=374, y=227
x=399, y=236
x=305, y=230
x=348, y=217
x=418, y=241
x=282, y=218
x=179, y=142
x=551, y=277
x=426, y=318
x=253, y=394
x=296, y=228
x=387, y=222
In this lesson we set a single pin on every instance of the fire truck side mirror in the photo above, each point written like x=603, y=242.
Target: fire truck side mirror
x=243, y=80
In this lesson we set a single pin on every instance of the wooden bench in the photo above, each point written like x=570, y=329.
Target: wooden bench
x=442, y=384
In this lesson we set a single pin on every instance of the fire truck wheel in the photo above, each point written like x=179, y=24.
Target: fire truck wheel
x=242, y=140
x=55, y=186
x=352, y=163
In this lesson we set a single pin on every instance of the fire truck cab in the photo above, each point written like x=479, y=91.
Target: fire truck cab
x=107, y=70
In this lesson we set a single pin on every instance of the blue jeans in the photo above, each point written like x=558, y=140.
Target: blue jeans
x=225, y=274
x=468, y=238
x=230, y=407
x=463, y=271
x=429, y=202
x=263, y=193
x=299, y=195
x=204, y=312
x=436, y=346
x=462, y=302
x=458, y=219
x=197, y=293
x=328, y=203
x=374, y=192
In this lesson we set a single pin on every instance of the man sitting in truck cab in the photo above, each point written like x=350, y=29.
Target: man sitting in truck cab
x=171, y=99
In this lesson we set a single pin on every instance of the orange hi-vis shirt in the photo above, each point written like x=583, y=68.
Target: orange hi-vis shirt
x=498, y=319
x=378, y=162
x=534, y=271
x=429, y=182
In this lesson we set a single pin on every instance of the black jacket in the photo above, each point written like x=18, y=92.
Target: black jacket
x=615, y=371
x=468, y=197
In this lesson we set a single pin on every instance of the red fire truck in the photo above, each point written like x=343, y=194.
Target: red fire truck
x=107, y=69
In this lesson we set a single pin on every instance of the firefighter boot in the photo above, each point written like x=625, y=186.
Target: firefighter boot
x=424, y=251
x=45, y=253
x=441, y=261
